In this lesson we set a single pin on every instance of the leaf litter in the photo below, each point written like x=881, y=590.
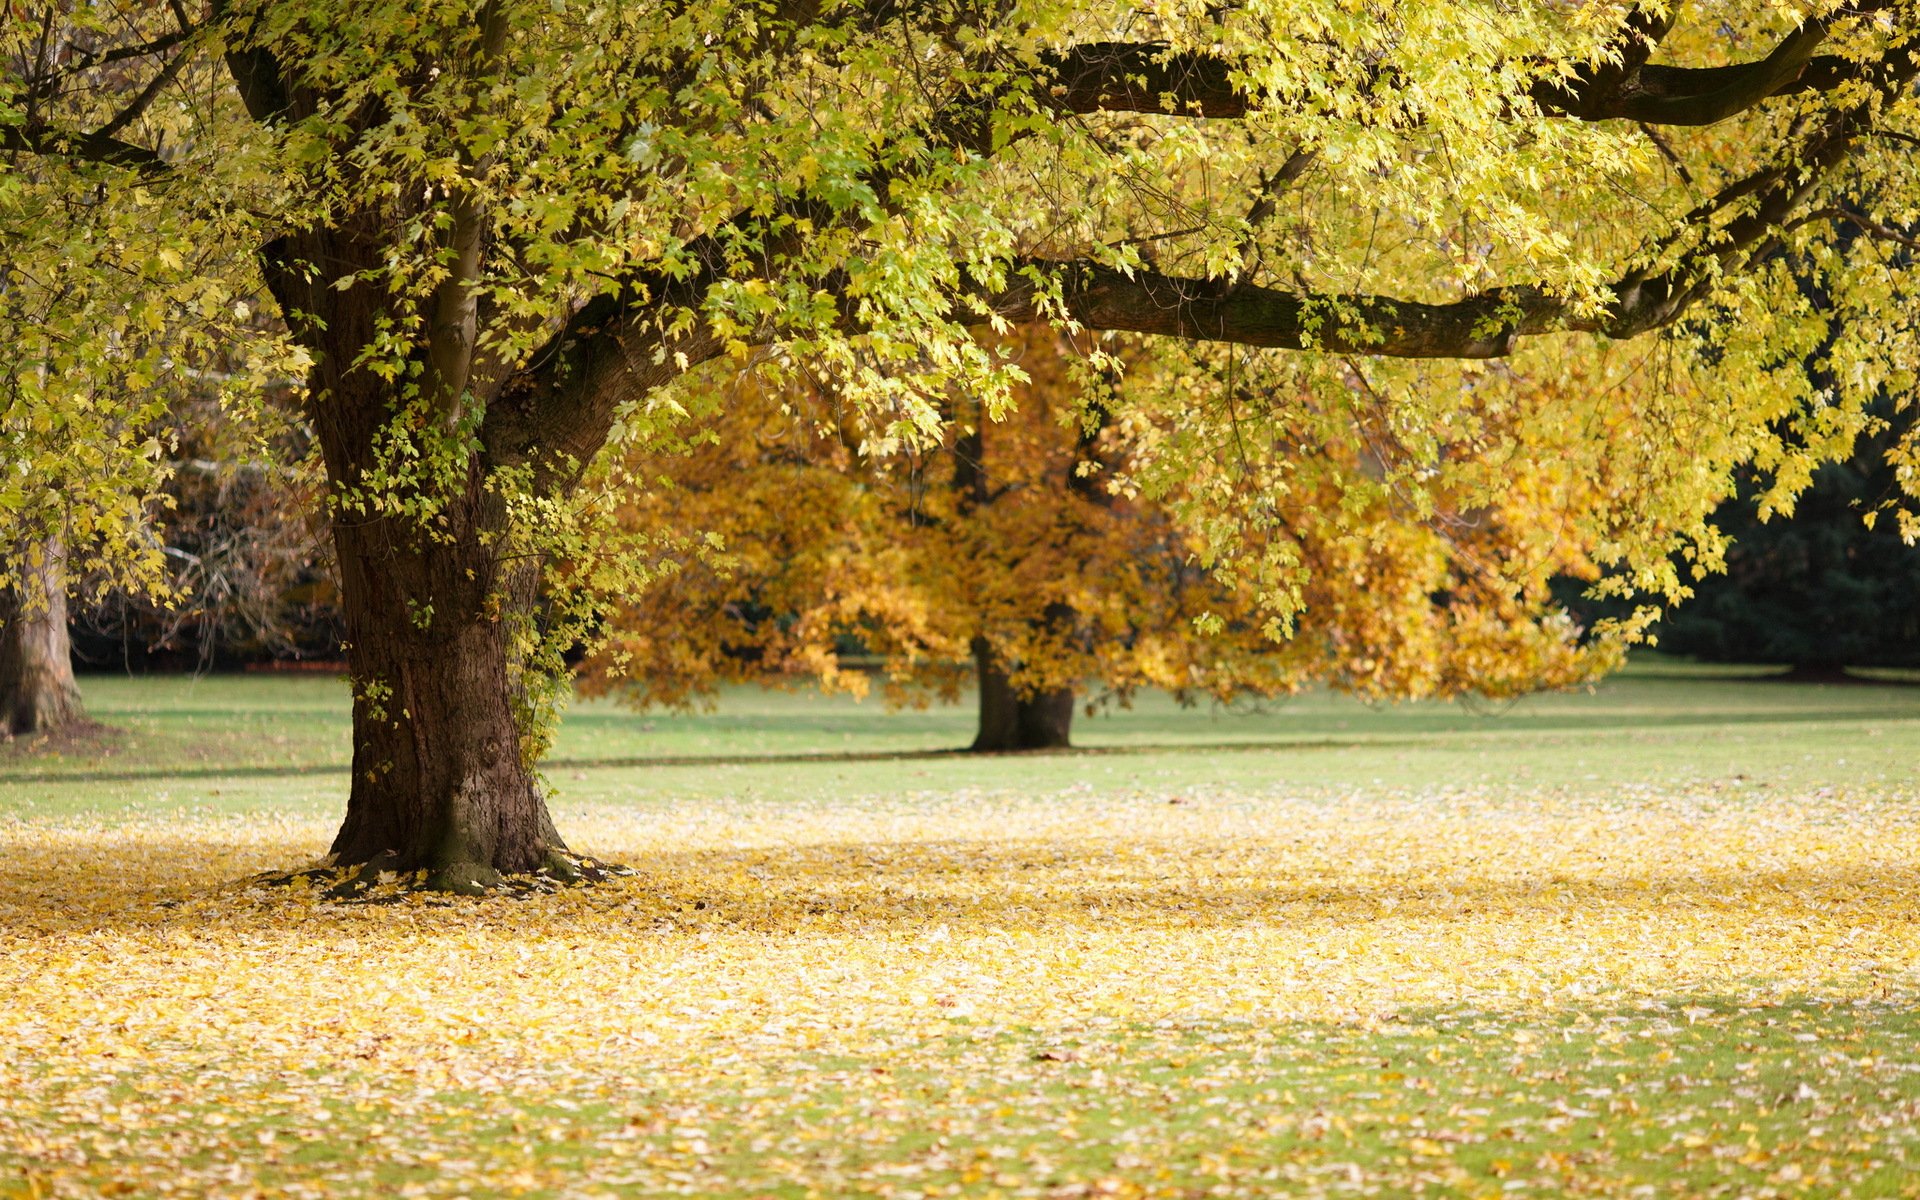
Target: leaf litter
x=1080, y=994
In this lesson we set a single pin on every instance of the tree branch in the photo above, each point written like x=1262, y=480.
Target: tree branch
x=615, y=347
x=454, y=327
x=1104, y=298
x=1486, y=325
x=1860, y=220
x=92, y=147
x=1150, y=78
x=140, y=103
x=88, y=61
x=1664, y=95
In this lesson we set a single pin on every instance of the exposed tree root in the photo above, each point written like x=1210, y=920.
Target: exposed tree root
x=379, y=882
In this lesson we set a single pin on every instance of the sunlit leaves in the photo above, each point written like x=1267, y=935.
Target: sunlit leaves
x=119, y=293
x=1080, y=533
x=845, y=187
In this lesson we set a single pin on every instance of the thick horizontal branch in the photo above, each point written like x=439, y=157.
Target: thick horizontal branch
x=614, y=348
x=1103, y=298
x=1142, y=77
x=1669, y=95
x=92, y=146
x=1485, y=325
x=1149, y=77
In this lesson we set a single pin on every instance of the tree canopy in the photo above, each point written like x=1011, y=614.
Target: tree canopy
x=501, y=235
x=1027, y=551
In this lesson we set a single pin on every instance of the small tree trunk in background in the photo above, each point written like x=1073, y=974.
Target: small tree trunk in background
x=1822, y=672
x=1011, y=721
x=1008, y=719
x=37, y=689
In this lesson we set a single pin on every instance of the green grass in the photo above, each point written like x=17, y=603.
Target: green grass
x=246, y=742
x=1656, y=939
x=1696, y=1097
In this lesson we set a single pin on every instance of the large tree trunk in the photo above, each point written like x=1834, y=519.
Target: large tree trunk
x=436, y=596
x=1012, y=720
x=435, y=593
x=37, y=690
x=436, y=586
x=443, y=776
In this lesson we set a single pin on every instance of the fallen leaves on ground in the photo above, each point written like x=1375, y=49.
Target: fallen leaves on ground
x=1079, y=994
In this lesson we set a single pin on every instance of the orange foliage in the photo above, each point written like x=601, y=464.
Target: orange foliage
x=1033, y=535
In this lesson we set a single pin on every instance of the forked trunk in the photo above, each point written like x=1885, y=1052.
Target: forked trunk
x=1012, y=720
x=37, y=689
x=442, y=779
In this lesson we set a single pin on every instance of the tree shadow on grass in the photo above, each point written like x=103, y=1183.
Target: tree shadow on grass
x=1435, y=734
x=74, y=738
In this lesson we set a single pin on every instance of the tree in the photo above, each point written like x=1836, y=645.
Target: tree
x=503, y=233
x=247, y=574
x=112, y=301
x=1025, y=545
x=38, y=693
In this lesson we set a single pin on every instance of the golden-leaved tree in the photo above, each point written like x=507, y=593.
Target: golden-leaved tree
x=501, y=233
x=1029, y=549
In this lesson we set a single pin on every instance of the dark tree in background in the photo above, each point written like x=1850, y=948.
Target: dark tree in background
x=1817, y=591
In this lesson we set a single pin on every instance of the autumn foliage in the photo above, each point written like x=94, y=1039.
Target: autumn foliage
x=490, y=238
x=1040, y=547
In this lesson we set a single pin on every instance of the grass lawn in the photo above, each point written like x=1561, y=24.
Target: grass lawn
x=1659, y=939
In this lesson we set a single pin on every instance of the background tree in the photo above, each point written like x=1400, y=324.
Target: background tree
x=247, y=570
x=1025, y=545
x=113, y=302
x=503, y=232
x=84, y=431
x=38, y=693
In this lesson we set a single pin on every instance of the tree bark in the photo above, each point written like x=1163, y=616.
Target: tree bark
x=443, y=777
x=436, y=597
x=1012, y=720
x=445, y=738
x=37, y=689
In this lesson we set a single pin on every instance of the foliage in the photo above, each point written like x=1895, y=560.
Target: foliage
x=116, y=301
x=757, y=173
x=1062, y=534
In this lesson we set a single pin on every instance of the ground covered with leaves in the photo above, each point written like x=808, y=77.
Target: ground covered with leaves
x=1703, y=986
